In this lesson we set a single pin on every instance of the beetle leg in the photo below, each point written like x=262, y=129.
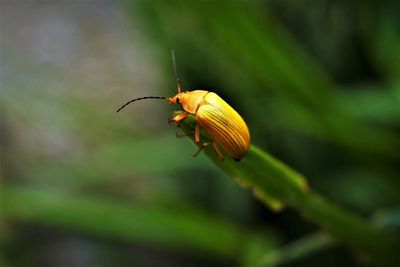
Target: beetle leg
x=204, y=145
x=215, y=147
x=178, y=117
x=217, y=151
x=197, y=134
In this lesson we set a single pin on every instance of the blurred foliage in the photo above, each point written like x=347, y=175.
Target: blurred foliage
x=184, y=228
x=317, y=82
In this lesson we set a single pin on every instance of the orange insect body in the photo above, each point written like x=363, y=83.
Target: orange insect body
x=215, y=116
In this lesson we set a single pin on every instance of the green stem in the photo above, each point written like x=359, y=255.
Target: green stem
x=346, y=227
x=277, y=185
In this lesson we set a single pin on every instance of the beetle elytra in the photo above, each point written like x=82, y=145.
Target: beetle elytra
x=224, y=125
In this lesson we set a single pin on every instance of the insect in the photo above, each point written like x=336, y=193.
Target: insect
x=214, y=115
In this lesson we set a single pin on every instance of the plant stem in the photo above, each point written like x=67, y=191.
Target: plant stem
x=277, y=185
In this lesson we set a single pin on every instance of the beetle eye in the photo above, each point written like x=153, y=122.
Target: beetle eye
x=177, y=100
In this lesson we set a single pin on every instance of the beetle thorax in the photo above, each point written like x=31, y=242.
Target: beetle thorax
x=191, y=100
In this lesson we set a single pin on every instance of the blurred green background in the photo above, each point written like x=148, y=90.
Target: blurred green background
x=318, y=83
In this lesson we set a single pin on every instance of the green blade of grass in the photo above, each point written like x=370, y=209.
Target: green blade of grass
x=273, y=180
x=317, y=242
x=184, y=230
x=296, y=250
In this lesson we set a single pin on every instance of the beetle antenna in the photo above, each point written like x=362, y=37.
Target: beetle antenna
x=178, y=81
x=141, y=98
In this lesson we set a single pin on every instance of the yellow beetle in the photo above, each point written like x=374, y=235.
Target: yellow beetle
x=214, y=115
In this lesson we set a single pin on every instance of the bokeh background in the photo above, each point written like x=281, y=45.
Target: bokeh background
x=317, y=81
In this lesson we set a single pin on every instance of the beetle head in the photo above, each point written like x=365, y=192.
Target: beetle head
x=190, y=100
x=176, y=99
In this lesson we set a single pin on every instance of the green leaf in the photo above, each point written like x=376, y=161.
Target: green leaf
x=276, y=185
x=183, y=229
